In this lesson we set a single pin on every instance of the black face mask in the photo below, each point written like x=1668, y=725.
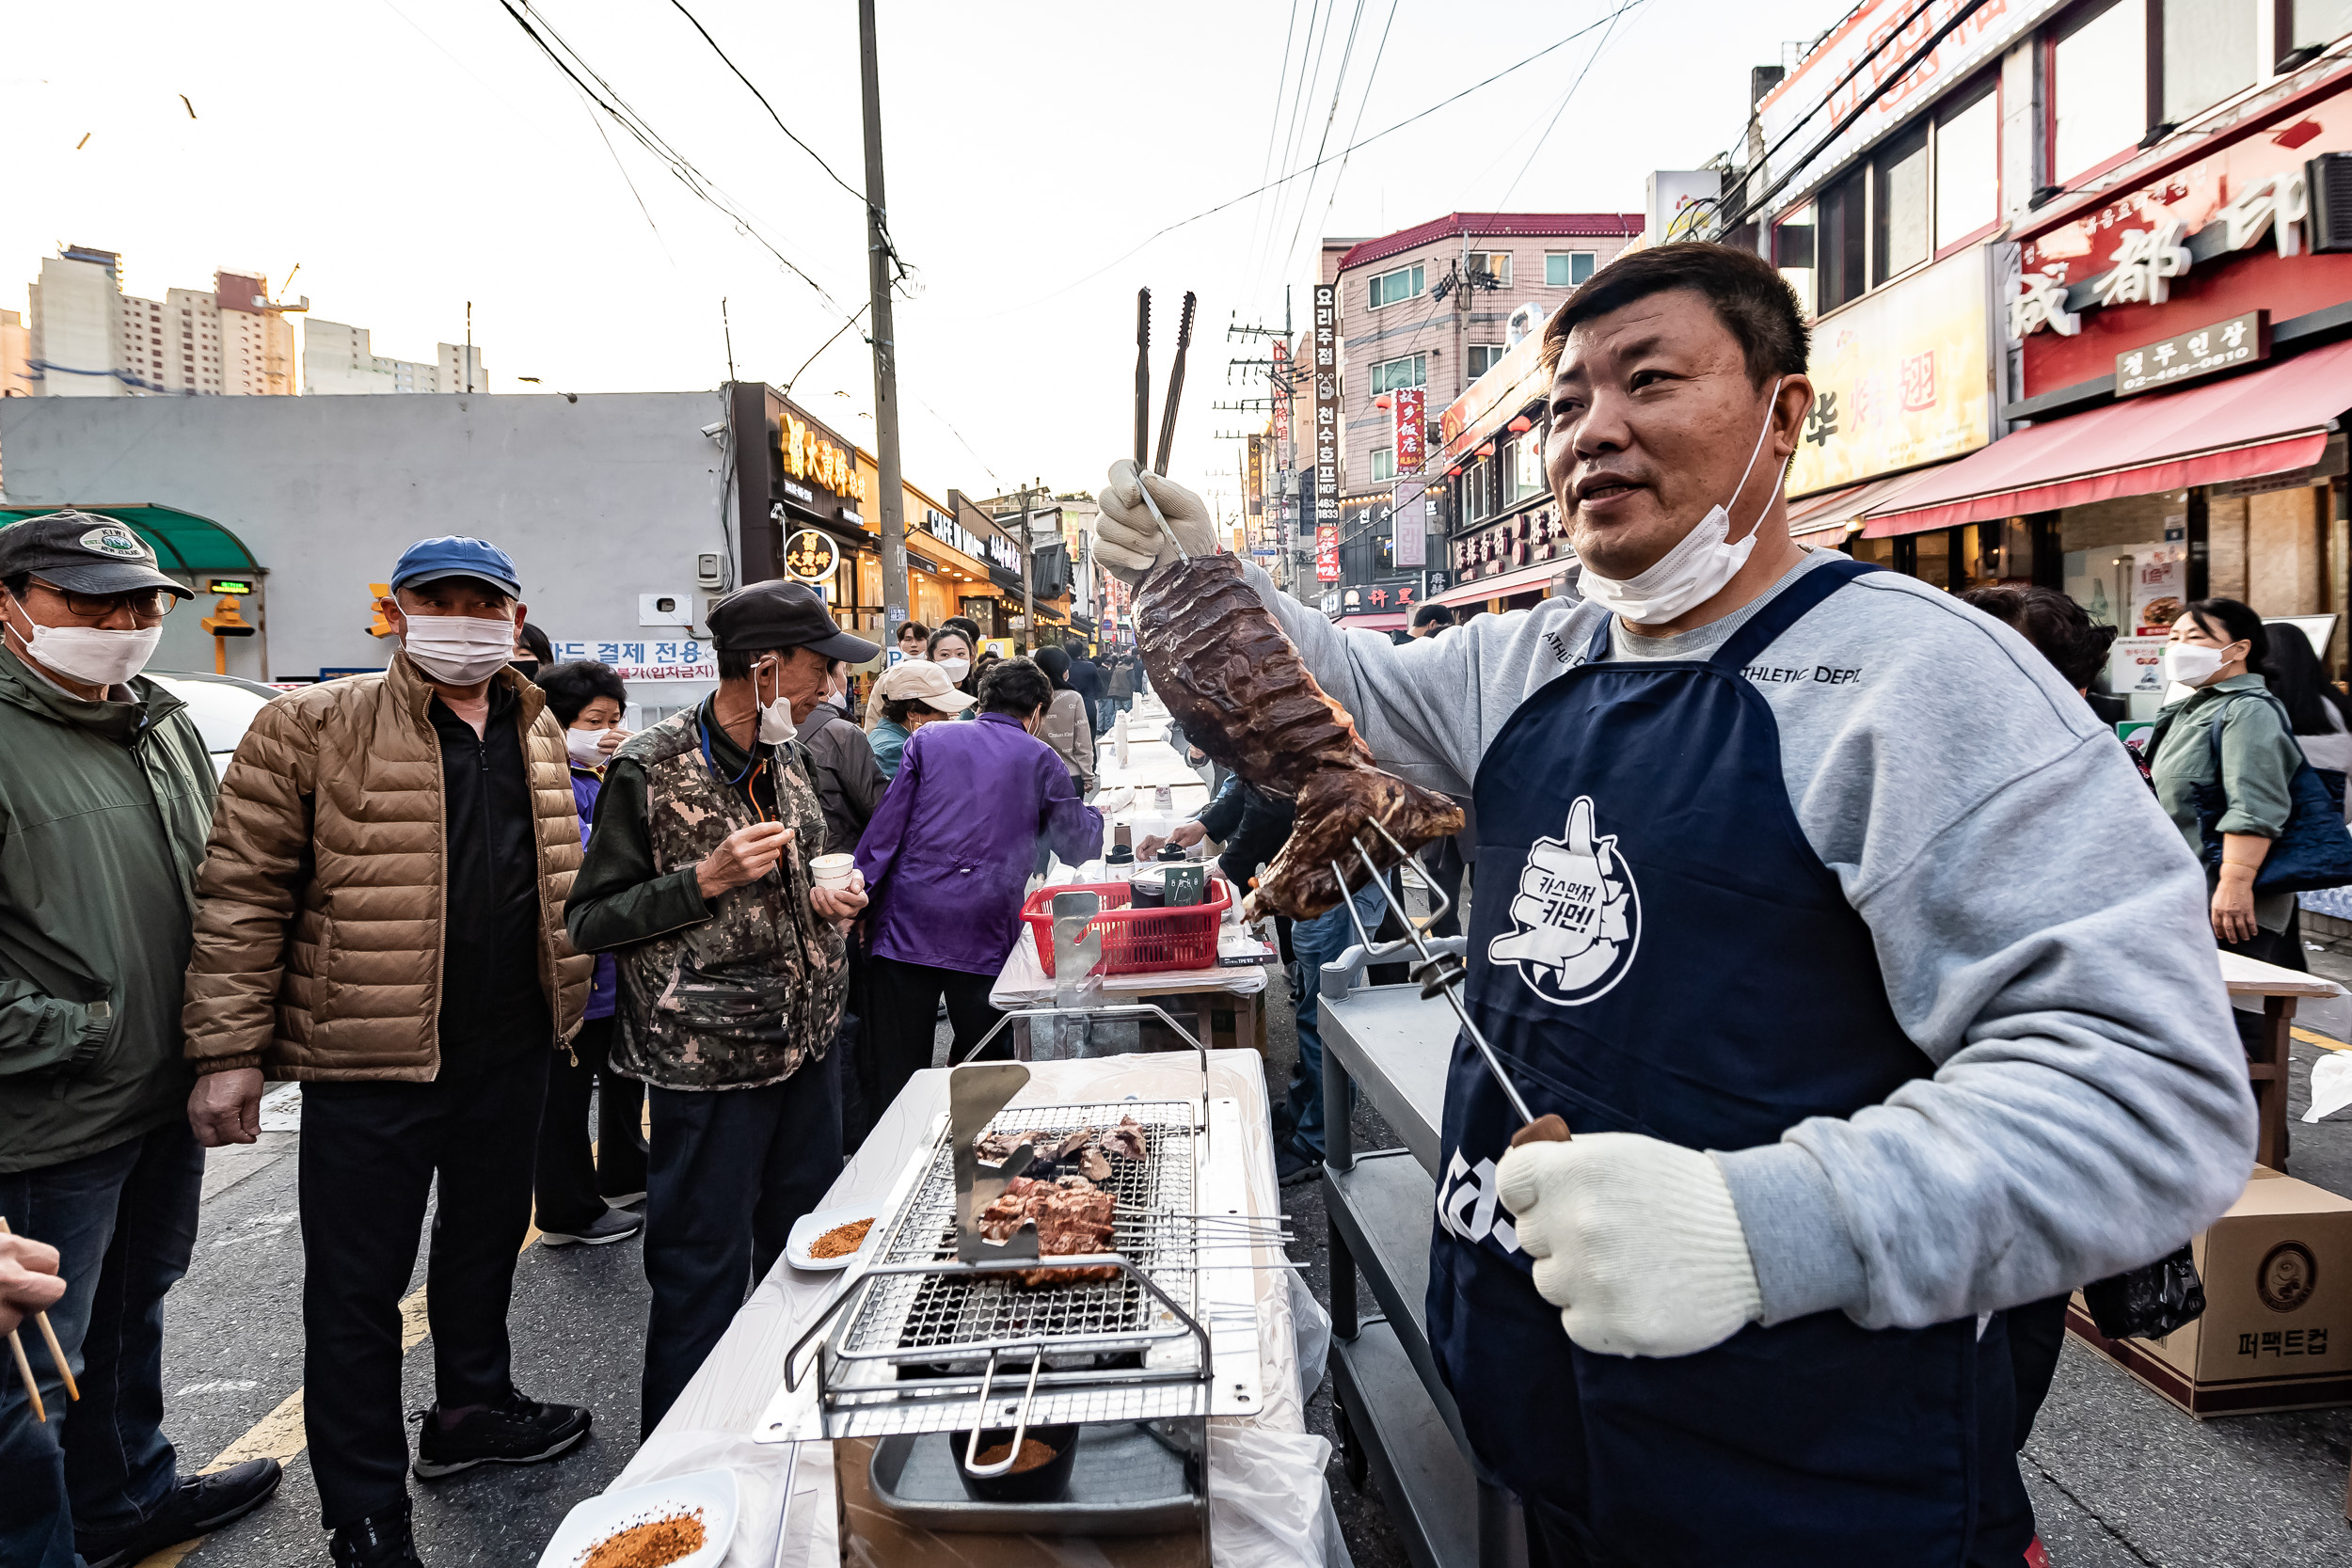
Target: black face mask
x=527, y=668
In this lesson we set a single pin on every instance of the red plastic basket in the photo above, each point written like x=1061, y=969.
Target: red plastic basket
x=1136, y=941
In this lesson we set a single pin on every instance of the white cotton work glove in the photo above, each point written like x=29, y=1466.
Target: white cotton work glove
x=1129, y=542
x=1635, y=1239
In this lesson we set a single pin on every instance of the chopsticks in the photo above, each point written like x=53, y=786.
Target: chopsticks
x=56, y=1354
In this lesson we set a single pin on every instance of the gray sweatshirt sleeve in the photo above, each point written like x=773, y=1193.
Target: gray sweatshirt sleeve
x=2040, y=927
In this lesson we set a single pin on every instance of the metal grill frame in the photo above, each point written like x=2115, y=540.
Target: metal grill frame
x=1152, y=1307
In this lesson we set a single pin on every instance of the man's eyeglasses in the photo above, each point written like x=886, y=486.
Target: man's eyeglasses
x=145, y=604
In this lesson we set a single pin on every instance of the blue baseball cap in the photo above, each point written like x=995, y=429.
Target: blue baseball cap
x=454, y=556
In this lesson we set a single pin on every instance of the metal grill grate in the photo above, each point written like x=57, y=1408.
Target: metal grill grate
x=947, y=1314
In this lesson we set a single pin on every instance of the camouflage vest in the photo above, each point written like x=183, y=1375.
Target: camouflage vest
x=744, y=998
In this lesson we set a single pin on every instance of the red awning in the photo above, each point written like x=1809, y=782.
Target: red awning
x=1378, y=620
x=1497, y=587
x=1825, y=518
x=2264, y=423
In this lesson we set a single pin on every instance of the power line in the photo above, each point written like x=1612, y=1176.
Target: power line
x=1274, y=128
x=1339, y=86
x=1370, y=79
x=1504, y=205
x=1295, y=174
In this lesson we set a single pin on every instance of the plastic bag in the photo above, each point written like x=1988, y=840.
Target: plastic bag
x=2148, y=1302
x=2331, y=1084
x=1312, y=1326
x=1269, y=1506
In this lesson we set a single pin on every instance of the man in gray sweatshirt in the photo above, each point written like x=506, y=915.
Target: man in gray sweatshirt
x=1875, y=989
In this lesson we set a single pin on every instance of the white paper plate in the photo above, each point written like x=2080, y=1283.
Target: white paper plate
x=711, y=1491
x=809, y=1227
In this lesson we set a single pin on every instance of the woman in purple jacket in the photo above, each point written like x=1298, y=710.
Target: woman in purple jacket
x=946, y=857
x=579, y=1192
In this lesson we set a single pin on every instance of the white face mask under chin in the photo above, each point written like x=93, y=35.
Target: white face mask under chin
x=1695, y=570
x=92, y=655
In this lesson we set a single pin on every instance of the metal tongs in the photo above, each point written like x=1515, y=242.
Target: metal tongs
x=1168, y=414
x=1439, y=975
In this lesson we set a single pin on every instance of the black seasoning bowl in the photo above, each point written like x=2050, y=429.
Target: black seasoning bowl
x=1046, y=1483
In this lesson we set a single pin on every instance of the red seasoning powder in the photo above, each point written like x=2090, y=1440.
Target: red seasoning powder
x=651, y=1545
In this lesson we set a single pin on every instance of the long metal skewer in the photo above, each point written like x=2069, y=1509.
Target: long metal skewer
x=1433, y=972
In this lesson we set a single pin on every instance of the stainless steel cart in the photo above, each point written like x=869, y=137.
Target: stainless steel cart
x=1397, y=1423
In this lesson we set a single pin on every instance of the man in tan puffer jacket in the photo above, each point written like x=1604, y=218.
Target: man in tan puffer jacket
x=382, y=918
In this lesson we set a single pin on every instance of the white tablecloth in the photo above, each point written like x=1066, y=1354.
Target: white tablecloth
x=710, y=1425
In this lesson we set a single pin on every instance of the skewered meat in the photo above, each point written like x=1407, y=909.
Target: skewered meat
x=1071, y=1144
x=1072, y=1218
x=1219, y=660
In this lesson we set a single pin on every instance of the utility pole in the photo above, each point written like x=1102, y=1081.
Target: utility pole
x=1028, y=588
x=893, y=496
x=727, y=329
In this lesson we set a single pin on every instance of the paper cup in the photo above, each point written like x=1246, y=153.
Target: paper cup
x=832, y=871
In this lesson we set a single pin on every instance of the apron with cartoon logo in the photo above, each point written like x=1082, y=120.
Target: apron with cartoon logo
x=1673, y=959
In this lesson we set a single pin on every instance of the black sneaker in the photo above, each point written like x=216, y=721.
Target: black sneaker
x=378, y=1540
x=1293, y=1164
x=203, y=1503
x=610, y=1226
x=515, y=1430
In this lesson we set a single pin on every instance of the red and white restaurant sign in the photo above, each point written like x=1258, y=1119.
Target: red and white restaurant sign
x=1411, y=428
x=2219, y=237
x=1326, y=552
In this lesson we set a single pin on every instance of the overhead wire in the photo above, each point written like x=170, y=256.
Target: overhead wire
x=1339, y=86
x=1308, y=78
x=1273, y=130
x=1300, y=173
x=1370, y=79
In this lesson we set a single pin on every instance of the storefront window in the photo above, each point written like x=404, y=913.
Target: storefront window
x=1932, y=559
x=2098, y=90
x=1900, y=221
x=1837, y=251
x=1967, y=166
x=2209, y=50
x=2320, y=22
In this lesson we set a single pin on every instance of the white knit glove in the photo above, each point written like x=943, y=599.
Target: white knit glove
x=1636, y=1239
x=1129, y=542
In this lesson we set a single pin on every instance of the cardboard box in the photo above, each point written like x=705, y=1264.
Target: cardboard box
x=2277, y=1333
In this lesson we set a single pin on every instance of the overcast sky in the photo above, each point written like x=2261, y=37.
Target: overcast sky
x=415, y=154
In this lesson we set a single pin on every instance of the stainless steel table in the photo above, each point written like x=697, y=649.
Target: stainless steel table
x=1397, y=1423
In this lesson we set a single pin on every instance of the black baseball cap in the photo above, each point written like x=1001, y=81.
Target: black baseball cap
x=83, y=553
x=783, y=615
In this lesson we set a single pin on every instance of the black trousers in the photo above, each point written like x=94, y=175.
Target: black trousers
x=731, y=1170
x=1441, y=862
x=2036, y=1331
x=903, y=1003
x=573, y=1182
x=370, y=1155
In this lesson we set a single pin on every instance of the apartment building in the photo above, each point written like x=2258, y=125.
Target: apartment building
x=88, y=338
x=340, y=360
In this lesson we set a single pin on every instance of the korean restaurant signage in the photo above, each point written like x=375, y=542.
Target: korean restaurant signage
x=1326, y=552
x=1280, y=388
x=952, y=533
x=1409, y=513
x=1878, y=40
x=1411, y=428
x=1900, y=379
x=2184, y=356
x=811, y=557
x=637, y=659
x=1389, y=594
x=804, y=452
x=1529, y=539
x=1257, y=479
x=1325, y=339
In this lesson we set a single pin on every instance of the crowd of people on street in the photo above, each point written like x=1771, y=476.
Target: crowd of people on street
x=468, y=910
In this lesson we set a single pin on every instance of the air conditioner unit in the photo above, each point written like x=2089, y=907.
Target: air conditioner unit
x=2328, y=178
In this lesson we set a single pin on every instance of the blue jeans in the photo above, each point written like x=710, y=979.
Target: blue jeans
x=123, y=1222
x=1104, y=711
x=1314, y=942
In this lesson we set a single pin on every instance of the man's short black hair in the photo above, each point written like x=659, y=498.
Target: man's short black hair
x=1433, y=614
x=570, y=687
x=16, y=582
x=1015, y=686
x=537, y=641
x=915, y=629
x=1751, y=300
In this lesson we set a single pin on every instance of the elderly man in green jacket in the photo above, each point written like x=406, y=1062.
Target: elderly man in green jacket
x=105, y=797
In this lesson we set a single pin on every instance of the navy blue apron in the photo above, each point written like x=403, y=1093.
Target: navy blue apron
x=1674, y=960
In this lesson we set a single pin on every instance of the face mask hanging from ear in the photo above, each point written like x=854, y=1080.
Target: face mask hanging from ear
x=777, y=725
x=1695, y=570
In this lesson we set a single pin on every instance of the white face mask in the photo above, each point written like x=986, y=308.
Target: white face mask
x=587, y=747
x=955, y=669
x=2190, y=664
x=777, y=725
x=459, y=650
x=92, y=653
x=1695, y=570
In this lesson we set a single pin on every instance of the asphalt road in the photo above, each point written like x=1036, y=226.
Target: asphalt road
x=2120, y=1478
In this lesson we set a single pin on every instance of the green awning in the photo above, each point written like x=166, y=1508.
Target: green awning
x=182, y=542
